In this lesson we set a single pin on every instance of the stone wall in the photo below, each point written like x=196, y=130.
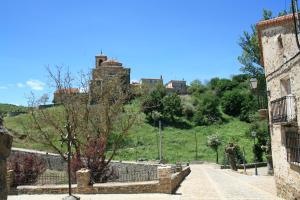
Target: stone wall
x=52, y=161
x=167, y=183
x=281, y=60
x=55, y=162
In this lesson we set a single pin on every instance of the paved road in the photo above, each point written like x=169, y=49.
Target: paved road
x=206, y=182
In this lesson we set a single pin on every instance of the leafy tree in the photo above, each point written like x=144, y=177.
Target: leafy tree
x=172, y=106
x=220, y=86
x=196, y=87
x=153, y=102
x=207, y=110
x=213, y=141
x=238, y=103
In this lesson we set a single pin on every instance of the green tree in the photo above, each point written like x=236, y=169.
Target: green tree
x=220, y=86
x=153, y=102
x=213, y=141
x=238, y=103
x=207, y=109
x=172, y=107
x=196, y=87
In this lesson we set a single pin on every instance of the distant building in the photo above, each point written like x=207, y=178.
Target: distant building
x=151, y=83
x=281, y=60
x=105, y=70
x=60, y=94
x=177, y=86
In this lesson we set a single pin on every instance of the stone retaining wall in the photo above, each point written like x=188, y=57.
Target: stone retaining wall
x=167, y=183
x=55, y=162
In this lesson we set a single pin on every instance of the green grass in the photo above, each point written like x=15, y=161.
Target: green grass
x=178, y=144
x=6, y=108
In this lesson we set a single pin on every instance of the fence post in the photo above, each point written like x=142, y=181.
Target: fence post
x=83, y=177
x=10, y=180
x=164, y=177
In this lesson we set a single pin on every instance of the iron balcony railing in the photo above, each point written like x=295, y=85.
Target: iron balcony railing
x=283, y=110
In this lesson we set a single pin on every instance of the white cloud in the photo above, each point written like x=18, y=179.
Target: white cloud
x=35, y=84
x=20, y=85
x=3, y=87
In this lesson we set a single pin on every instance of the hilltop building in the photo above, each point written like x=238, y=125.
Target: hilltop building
x=151, y=82
x=281, y=60
x=61, y=94
x=105, y=70
x=178, y=86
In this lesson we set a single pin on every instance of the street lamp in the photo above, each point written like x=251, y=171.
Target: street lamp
x=253, y=133
x=253, y=83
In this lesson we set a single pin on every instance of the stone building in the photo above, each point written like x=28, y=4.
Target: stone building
x=151, y=82
x=106, y=70
x=281, y=59
x=178, y=86
x=61, y=94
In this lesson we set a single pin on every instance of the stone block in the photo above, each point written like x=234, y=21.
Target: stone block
x=83, y=177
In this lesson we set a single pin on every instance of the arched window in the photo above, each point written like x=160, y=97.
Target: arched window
x=99, y=62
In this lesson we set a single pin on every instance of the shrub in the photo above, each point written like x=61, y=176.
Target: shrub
x=95, y=160
x=207, y=110
x=238, y=103
x=213, y=141
x=27, y=167
x=172, y=107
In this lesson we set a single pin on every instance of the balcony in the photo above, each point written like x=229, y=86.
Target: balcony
x=283, y=110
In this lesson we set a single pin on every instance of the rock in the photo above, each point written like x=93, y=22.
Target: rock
x=5, y=149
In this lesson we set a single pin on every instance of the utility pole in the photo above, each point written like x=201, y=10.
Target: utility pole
x=196, y=147
x=160, y=143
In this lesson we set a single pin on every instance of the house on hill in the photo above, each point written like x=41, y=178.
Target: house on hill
x=280, y=54
x=61, y=94
x=178, y=86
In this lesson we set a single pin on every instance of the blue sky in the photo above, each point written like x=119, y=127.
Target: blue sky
x=179, y=39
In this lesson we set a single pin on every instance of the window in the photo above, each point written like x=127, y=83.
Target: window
x=285, y=86
x=293, y=147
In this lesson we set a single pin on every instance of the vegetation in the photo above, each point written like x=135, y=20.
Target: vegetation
x=7, y=108
x=213, y=141
x=27, y=168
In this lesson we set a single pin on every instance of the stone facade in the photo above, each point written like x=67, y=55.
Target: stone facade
x=106, y=70
x=151, y=83
x=281, y=60
x=177, y=86
x=5, y=148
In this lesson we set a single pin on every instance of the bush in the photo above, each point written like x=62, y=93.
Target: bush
x=213, y=141
x=207, y=110
x=95, y=160
x=172, y=107
x=27, y=168
x=238, y=103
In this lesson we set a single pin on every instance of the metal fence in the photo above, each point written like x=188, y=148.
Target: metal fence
x=60, y=177
x=127, y=176
x=47, y=178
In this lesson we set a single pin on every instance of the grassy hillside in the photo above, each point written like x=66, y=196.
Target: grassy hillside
x=178, y=144
x=6, y=108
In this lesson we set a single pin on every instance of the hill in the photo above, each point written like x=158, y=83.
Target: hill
x=179, y=144
x=9, y=108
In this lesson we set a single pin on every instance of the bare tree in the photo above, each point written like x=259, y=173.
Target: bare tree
x=94, y=126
